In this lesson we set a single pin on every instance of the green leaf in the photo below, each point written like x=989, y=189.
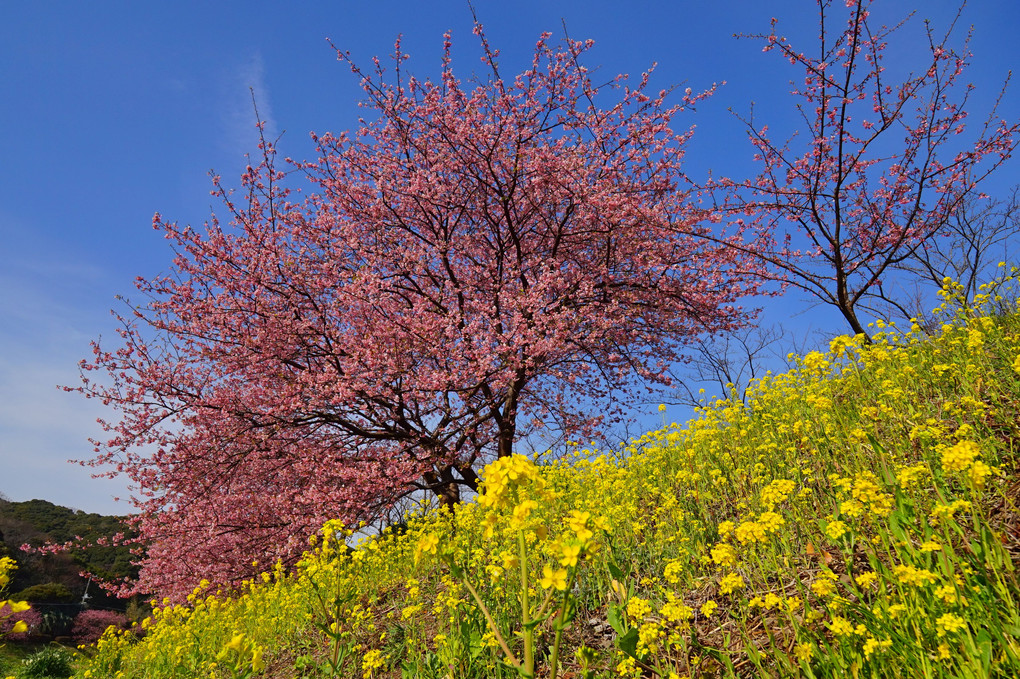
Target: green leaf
x=571, y=611
x=559, y=626
x=628, y=643
x=984, y=644
x=616, y=619
x=475, y=646
x=532, y=624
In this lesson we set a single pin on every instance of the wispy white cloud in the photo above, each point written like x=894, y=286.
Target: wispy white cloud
x=43, y=428
x=245, y=82
x=46, y=331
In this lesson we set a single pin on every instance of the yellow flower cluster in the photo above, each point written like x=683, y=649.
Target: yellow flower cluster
x=835, y=529
x=871, y=645
x=7, y=607
x=759, y=530
x=504, y=477
x=7, y=566
x=964, y=457
x=913, y=576
x=731, y=583
x=863, y=538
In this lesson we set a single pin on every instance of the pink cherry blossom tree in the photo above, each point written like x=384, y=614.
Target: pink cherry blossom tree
x=476, y=263
x=879, y=167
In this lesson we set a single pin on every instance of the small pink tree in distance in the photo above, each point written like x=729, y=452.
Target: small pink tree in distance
x=477, y=262
x=878, y=169
x=90, y=624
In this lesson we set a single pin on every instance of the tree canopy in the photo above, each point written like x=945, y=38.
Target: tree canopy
x=479, y=263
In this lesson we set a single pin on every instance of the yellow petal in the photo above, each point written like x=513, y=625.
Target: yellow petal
x=235, y=643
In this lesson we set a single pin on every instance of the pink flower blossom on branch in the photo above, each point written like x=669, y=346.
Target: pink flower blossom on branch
x=880, y=170
x=476, y=263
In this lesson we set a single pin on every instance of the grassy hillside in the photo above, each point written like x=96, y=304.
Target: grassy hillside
x=856, y=517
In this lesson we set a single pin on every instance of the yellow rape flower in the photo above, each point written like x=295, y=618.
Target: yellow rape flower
x=978, y=473
x=777, y=492
x=815, y=362
x=841, y=626
x=569, y=553
x=7, y=566
x=949, y=623
x=628, y=668
x=673, y=571
x=556, y=578
x=676, y=611
x=257, y=663
x=427, y=545
x=371, y=661
x=751, y=532
x=578, y=523
x=866, y=579
x=868, y=492
x=959, y=457
x=771, y=522
x=489, y=524
x=948, y=511
x=638, y=608
x=948, y=594
x=836, y=529
x=825, y=584
x=852, y=508
x=823, y=587
x=523, y=510
x=908, y=476
x=872, y=645
x=730, y=583
x=724, y=554
x=915, y=577
x=648, y=637
x=235, y=643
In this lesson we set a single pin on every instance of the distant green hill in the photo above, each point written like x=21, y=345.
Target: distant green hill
x=38, y=522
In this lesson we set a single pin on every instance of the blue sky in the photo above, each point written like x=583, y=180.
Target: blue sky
x=113, y=111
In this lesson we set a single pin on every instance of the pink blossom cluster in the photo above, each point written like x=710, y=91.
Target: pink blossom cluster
x=90, y=624
x=481, y=262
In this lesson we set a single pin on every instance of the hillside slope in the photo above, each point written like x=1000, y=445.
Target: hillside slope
x=856, y=517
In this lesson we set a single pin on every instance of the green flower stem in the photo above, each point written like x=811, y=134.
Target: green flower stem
x=529, y=631
x=492, y=625
x=555, y=655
